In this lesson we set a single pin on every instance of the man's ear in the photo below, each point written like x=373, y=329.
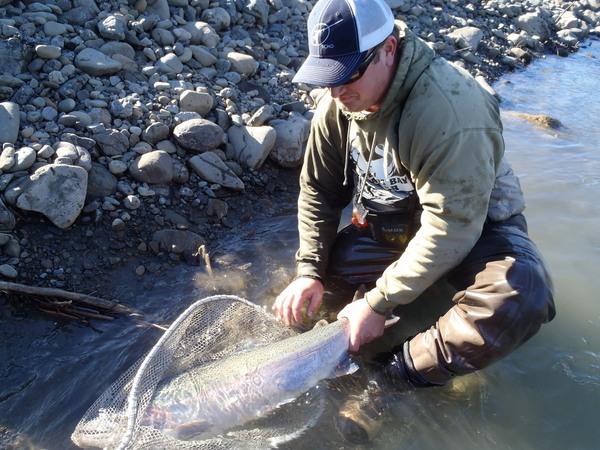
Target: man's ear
x=390, y=48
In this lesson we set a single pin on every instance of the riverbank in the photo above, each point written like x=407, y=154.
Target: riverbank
x=135, y=132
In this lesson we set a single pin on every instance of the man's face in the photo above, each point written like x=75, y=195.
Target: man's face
x=367, y=93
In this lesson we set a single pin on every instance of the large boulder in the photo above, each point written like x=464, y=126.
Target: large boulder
x=250, y=146
x=199, y=135
x=214, y=170
x=154, y=167
x=57, y=191
x=291, y=139
x=10, y=119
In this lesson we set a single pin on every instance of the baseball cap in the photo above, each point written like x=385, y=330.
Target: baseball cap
x=340, y=33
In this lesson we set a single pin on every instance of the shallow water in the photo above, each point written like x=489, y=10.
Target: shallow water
x=545, y=395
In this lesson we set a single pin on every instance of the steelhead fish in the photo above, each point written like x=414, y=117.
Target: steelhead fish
x=210, y=399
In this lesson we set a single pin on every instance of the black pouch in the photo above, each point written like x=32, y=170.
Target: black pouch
x=395, y=227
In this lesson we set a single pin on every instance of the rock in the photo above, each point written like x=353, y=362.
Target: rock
x=212, y=168
x=216, y=207
x=8, y=271
x=155, y=132
x=218, y=18
x=568, y=20
x=24, y=159
x=7, y=218
x=541, y=120
x=13, y=56
x=54, y=29
x=132, y=202
x=117, y=167
x=83, y=11
x=170, y=64
x=7, y=158
x=181, y=174
x=262, y=115
x=48, y=51
x=118, y=48
x=291, y=138
x=10, y=119
x=250, y=146
x=113, y=27
x=203, y=56
x=101, y=183
x=243, y=64
x=534, y=23
x=111, y=142
x=155, y=168
x=118, y=224
x=178, y=242
x=96, y=63
x=202, y=33
x=56, y=191
x=199, y=135
x=466, y=37
x=259, y=9
x=4, y=238
x=200, y=102
x=160, y=8
x=140, y=270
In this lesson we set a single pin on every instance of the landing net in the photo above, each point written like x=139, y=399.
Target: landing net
x=128, y=414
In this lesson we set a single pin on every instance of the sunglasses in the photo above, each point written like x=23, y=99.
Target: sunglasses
x=364, y=65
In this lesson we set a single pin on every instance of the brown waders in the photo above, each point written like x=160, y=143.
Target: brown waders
x=503, y=295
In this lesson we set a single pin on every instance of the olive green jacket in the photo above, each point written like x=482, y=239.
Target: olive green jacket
x=444, y=132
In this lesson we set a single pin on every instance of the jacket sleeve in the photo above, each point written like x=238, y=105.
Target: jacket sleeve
x=453, y=180
x=322, y=193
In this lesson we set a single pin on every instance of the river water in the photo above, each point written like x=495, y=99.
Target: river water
x=544, y=395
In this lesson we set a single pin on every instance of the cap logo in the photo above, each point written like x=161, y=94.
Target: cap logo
x=321, y=33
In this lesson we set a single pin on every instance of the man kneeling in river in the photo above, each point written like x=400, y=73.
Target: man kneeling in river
x=416, y=144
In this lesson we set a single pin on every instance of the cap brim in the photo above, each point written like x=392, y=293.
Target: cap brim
x=328, y=72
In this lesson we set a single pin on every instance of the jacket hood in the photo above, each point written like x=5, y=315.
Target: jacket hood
x=415, y=57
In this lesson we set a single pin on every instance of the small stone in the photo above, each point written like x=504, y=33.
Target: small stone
x=117, y=167
x=155, y=168
x=200, y=102
x=118, y=224
x=212, y=169
x=66, y=105
x=243, y=64
x=199, y=135
x=96, y=63
x=170, y=64
x=48, y=51
x=132, y=202
x=140, y=270
x=8, y=271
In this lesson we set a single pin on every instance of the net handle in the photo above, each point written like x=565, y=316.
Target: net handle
x=132, y=398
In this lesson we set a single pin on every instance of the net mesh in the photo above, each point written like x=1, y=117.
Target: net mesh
x=211, y=330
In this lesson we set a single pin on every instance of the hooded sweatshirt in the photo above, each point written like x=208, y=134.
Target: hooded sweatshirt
x=437, y=134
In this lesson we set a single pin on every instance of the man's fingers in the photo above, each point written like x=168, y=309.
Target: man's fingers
x=296, y=308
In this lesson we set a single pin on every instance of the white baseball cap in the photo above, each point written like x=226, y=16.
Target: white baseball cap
x=340, y=34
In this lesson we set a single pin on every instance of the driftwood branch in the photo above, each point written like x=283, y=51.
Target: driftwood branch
x=75, y=306
x=88, y=300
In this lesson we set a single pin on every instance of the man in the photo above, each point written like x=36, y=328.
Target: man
x=416, y=144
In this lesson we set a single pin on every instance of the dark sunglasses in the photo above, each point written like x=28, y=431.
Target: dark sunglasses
x=364, y=65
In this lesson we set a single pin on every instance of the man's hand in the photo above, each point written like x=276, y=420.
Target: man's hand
x=365, y=324
x=288, y=305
